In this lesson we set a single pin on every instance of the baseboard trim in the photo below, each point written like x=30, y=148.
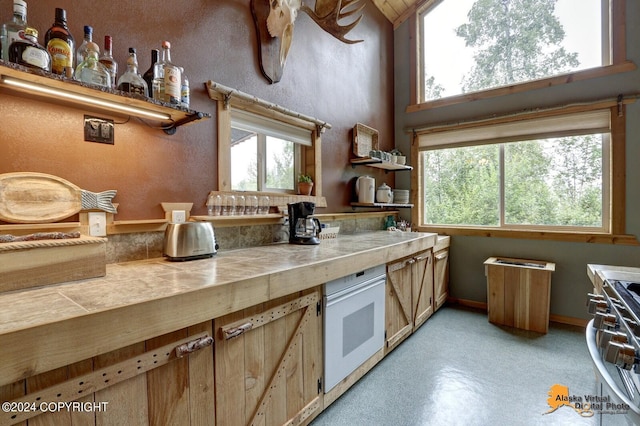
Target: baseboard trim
x=561, y=319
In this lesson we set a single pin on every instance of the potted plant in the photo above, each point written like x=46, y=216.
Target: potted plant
x=305, y=184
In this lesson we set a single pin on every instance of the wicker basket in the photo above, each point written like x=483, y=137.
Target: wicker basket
x=365, y=139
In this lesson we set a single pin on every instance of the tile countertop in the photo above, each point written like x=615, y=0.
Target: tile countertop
x=48, y=327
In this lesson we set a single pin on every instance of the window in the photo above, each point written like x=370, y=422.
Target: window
x=542, y=173
x=262, y=147
x=265, y=154
x=470, y=46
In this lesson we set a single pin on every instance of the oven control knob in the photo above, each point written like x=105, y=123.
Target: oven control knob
x=604, y=321
x=621, y=354
x=597, y=305
x=607, y=336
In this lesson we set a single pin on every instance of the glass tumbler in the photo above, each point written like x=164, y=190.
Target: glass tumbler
x=240, y=205
x=229, y=205
x=251, y=204
x=214, y=204
x=263, y=205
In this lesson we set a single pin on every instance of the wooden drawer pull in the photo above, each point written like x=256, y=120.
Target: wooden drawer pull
x=230, y=333
x=442, y=256
x=194, y=345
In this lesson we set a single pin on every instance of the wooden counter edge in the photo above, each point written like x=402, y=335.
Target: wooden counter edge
x=31, y=351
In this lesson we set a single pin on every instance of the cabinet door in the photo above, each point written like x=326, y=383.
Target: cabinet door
x=268, y=362
x=422, y=288
x=146, y=383
x=441, y=278
x=398, y=312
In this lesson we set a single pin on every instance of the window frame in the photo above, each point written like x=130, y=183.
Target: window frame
x=617, y=45
x=311, y=156
x=262, y=129
x=617, y=186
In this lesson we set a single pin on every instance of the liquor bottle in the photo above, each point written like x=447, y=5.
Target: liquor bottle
x=166, y=78
x=148, y=75
x=60, y=43
x=13, y=30
x=81, y=52
x=29, y=52
x=107, y=60
x=185, y=93
x=91, y=70
x=131, y=81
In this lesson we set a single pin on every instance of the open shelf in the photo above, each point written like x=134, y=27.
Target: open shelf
x=382, y=205
x=58, y=89
x=379, y=164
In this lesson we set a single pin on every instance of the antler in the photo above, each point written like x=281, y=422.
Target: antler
x=328, y=12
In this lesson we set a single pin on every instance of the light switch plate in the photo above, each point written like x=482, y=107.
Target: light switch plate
x=97, y=224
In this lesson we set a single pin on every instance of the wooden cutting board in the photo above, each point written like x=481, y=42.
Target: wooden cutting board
x=29, y=197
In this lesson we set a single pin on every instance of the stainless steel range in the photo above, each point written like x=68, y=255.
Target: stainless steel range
x=614, y=345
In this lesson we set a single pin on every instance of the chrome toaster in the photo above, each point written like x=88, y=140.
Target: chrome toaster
x=189, y=241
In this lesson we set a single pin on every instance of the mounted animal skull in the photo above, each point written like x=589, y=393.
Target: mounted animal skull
x=280, y=23
x=282, y=14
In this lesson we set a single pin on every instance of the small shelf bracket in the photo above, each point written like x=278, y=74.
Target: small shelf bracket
x=171, y=130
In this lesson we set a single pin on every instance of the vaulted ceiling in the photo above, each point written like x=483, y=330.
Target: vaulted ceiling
x=396, y=11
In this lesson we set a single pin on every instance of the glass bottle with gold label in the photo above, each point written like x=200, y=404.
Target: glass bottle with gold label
x=60, y=43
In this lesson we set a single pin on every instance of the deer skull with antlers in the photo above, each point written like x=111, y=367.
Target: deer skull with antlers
x=275, y=26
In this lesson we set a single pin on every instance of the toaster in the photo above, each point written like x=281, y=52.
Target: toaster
x=189, y=241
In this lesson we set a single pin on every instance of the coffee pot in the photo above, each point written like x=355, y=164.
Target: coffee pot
x=303, y=229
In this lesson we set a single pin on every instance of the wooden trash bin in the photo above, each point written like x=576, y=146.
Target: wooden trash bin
x=518, y=292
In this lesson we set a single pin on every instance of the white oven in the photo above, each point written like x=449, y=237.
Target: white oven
x=353, y=322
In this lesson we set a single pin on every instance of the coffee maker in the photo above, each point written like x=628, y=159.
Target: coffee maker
x=303, y=229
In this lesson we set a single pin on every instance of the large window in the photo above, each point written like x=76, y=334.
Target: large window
x=471, y=45
x=544, y=173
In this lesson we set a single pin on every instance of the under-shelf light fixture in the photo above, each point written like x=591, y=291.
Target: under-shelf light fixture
x=81, y=98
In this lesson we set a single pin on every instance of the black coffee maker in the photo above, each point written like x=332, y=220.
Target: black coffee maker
x=303, y=229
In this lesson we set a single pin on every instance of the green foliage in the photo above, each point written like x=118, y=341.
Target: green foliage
x=514, y=42
x=304, y=179
x=556, y=182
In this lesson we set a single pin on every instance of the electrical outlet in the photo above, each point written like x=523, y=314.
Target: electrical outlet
x=178, y=216
x=98, y=129
x=98, y=224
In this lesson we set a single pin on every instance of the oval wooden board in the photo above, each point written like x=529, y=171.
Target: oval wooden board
x=27, y=197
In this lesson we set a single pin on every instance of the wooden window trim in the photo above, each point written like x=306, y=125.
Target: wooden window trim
x=619, y=65
x=617, y=190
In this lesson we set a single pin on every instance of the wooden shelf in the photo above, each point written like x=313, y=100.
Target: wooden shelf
x=379, y=164
x=383, y=205
x=243, y=220
x=176, y=116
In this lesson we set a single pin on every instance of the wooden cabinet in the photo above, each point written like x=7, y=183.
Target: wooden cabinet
x=409, y=298
x=268, y=362
x=147, y=383
x=440, y=278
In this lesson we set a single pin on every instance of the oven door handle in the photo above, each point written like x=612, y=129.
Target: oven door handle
x=602, y=371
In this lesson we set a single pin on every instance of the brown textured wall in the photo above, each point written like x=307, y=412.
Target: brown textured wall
x=213, y=40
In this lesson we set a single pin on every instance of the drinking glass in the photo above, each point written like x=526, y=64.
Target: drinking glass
x=263, y=205
x=251, y=204
x=240, y=205
x=214, y=204
x=229, y=205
